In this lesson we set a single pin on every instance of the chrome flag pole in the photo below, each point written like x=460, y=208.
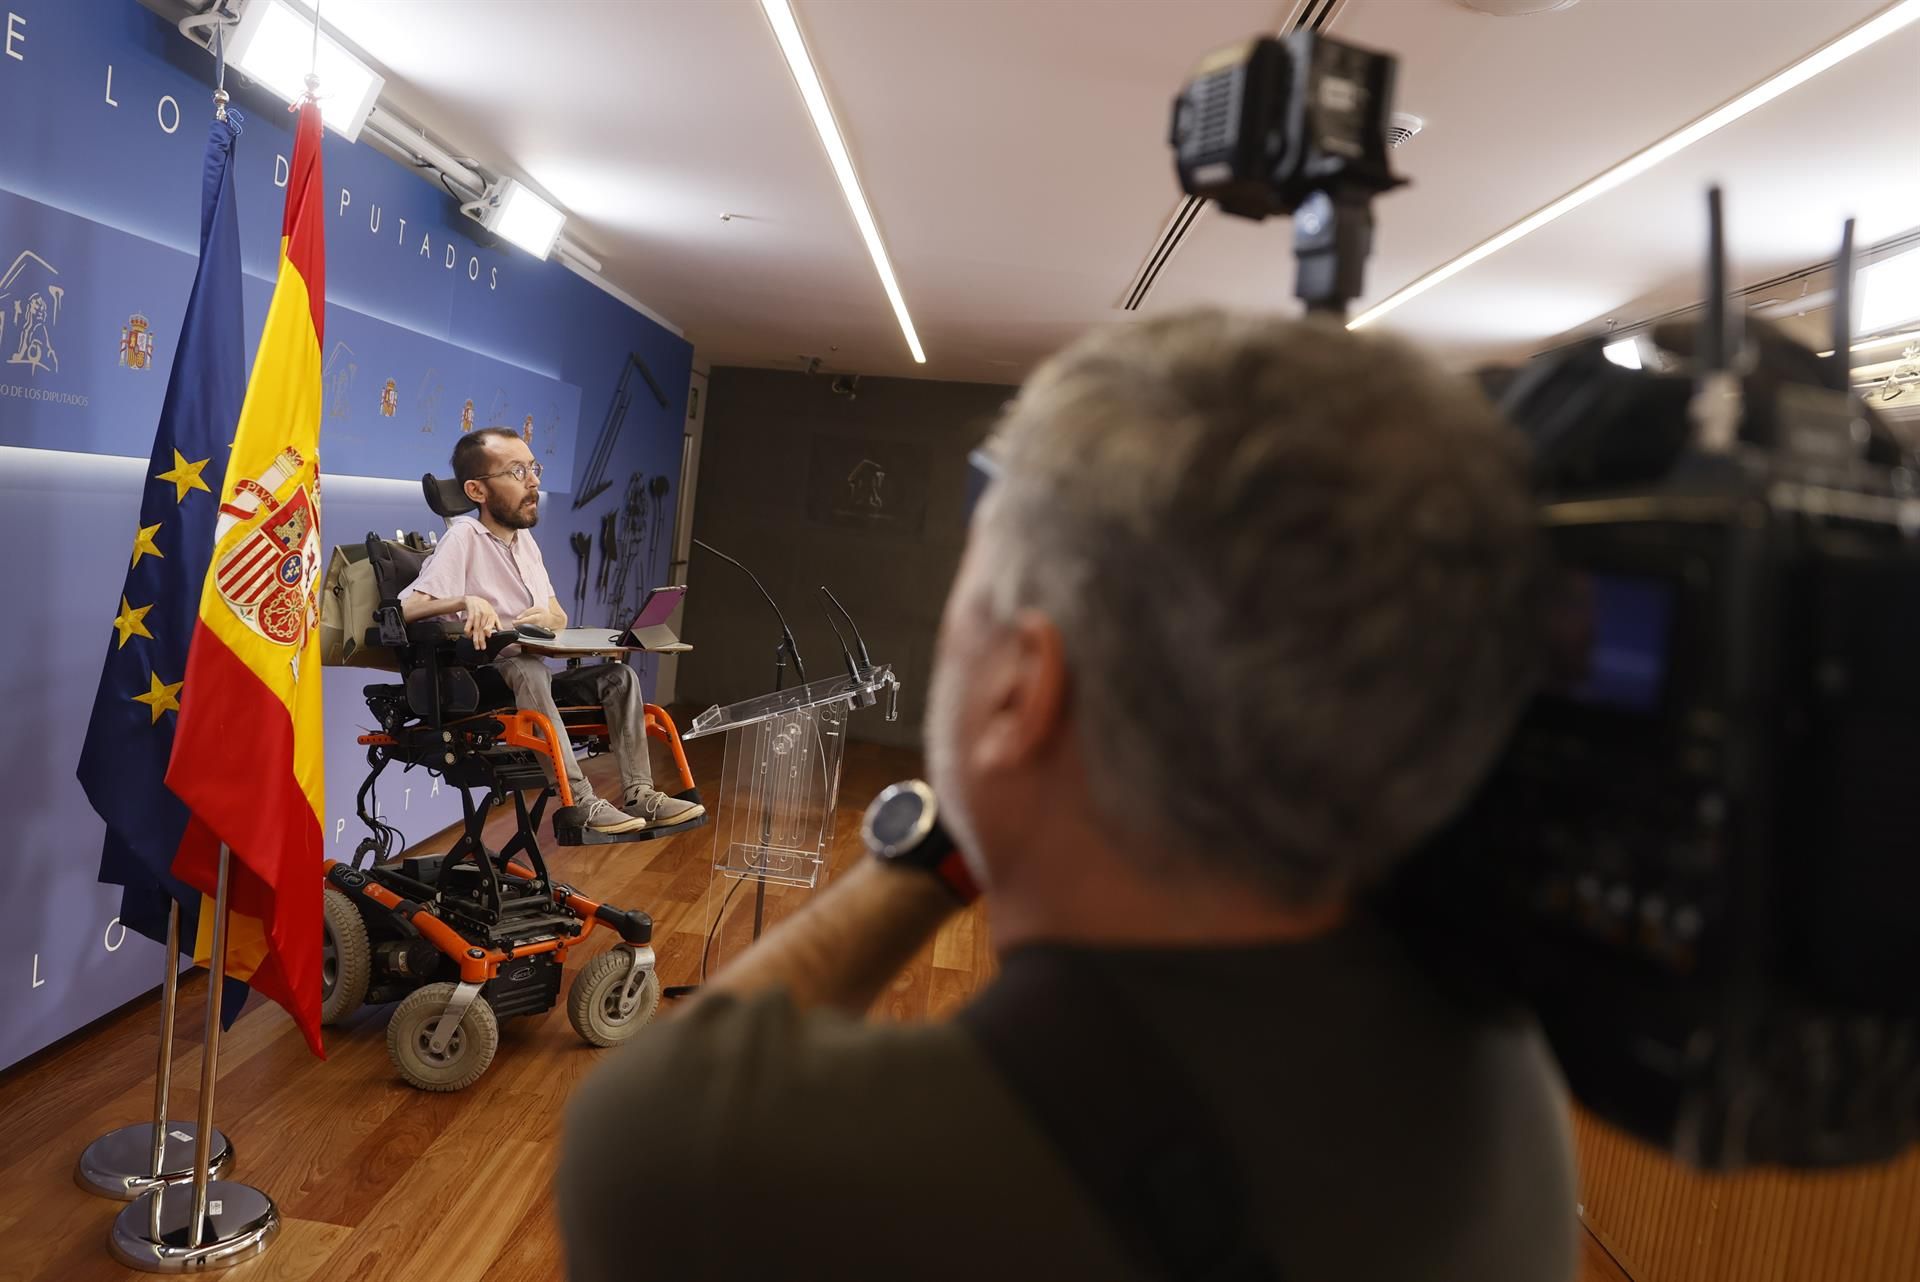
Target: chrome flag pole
x=125, y=1163
x=209, y=1223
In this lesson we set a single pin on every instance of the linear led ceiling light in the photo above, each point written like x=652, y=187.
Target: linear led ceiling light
x=513, y=213
x=1890, y=20
x=274, y=44
x=800, y=62
x=1873, y=344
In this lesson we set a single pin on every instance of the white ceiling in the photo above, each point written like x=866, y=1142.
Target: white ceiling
x=1014, y=153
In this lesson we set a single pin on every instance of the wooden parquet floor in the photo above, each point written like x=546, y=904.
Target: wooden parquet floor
x=377, y=1181
x=374, y=1179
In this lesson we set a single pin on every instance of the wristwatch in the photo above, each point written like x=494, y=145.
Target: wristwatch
x=902, y=828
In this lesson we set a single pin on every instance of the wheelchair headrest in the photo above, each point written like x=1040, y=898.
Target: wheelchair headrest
x=446, y=498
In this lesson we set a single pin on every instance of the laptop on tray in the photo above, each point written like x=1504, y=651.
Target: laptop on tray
x=649, y=630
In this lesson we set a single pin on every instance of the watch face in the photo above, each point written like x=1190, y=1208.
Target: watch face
x=899, y=817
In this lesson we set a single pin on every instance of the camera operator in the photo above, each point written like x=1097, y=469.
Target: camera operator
x=1244, y=618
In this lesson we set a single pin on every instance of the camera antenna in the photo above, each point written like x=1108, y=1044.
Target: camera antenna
x=1716, y=346
x=1840, y=366
x=1716, y=409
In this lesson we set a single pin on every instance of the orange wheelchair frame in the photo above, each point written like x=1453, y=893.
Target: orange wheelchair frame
x=464, y=939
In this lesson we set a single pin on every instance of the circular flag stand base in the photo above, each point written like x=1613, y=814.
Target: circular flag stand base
x=154, y=1235
x=119, y=1164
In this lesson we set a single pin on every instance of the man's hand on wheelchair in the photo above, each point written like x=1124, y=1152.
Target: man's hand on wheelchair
x=482, y=621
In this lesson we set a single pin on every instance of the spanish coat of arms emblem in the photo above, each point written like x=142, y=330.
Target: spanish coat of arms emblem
x=269, y=577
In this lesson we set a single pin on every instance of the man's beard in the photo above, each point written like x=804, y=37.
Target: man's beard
x=521, y=516
x=940, y=729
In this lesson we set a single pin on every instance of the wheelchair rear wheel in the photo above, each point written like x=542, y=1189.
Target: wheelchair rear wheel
x=468, y=1052
x=346, y=958
x=595, y=1002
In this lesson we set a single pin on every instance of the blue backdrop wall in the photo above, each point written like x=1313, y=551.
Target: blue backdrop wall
x=429, y=331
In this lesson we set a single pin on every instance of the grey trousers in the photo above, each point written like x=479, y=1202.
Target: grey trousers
x=618, y=688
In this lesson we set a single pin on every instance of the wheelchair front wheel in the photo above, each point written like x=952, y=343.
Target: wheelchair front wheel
x=346, y=958
x=594, y=1002
x=468, y=1053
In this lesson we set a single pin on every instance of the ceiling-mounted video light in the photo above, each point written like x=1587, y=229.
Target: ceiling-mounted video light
x=1625, y=353
x=275, y=44
x=513, y=213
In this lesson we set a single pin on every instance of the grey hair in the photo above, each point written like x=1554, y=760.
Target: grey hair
x=1295, y=574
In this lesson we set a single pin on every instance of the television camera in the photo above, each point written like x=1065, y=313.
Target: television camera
x=1696, y=858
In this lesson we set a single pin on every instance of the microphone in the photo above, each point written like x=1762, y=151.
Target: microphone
x=853, y=671
x=786, y=633
x=866, y=660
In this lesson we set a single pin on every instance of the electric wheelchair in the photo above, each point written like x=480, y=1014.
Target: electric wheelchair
x=464, y=939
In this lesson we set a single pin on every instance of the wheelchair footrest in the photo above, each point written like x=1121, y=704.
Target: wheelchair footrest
x=569, y=829
x=674, y=830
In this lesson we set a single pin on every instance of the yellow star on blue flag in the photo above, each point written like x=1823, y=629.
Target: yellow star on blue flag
x=132, y=622
x=143, y=543
x=161, y=696
x=184, y=475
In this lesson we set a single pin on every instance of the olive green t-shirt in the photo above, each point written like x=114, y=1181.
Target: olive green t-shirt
x=1384, y=1133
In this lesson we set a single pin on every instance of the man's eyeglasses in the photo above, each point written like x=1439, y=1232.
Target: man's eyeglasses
x=519, y=472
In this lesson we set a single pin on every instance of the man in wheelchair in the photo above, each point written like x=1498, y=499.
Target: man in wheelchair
x=488, y=571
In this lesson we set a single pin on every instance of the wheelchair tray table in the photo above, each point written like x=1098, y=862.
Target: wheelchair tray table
x=577, y=643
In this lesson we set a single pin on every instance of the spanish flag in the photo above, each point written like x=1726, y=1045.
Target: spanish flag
x=247, y=756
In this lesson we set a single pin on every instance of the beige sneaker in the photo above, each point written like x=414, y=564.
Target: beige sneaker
x=656, y=809
x=604, y=816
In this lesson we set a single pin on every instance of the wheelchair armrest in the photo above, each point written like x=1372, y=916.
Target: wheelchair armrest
x=392, y=630
x=391, y=622
x=466, y=652
x=439, y=637
x=433, y=634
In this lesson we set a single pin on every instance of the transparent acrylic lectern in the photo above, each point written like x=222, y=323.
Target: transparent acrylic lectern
x=773, y=815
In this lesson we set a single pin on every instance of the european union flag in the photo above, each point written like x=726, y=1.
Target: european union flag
x=123, y=766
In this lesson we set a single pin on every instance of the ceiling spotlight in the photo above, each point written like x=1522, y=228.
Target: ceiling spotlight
x=1402, y=127
x=513, y=213
x=1625, y=353
x=275, y=45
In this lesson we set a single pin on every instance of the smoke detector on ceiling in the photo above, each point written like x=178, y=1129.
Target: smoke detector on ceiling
x=1515, y=8
x=1403, y=126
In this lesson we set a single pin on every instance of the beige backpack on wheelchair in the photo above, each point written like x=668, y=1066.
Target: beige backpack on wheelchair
x=349, y=595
